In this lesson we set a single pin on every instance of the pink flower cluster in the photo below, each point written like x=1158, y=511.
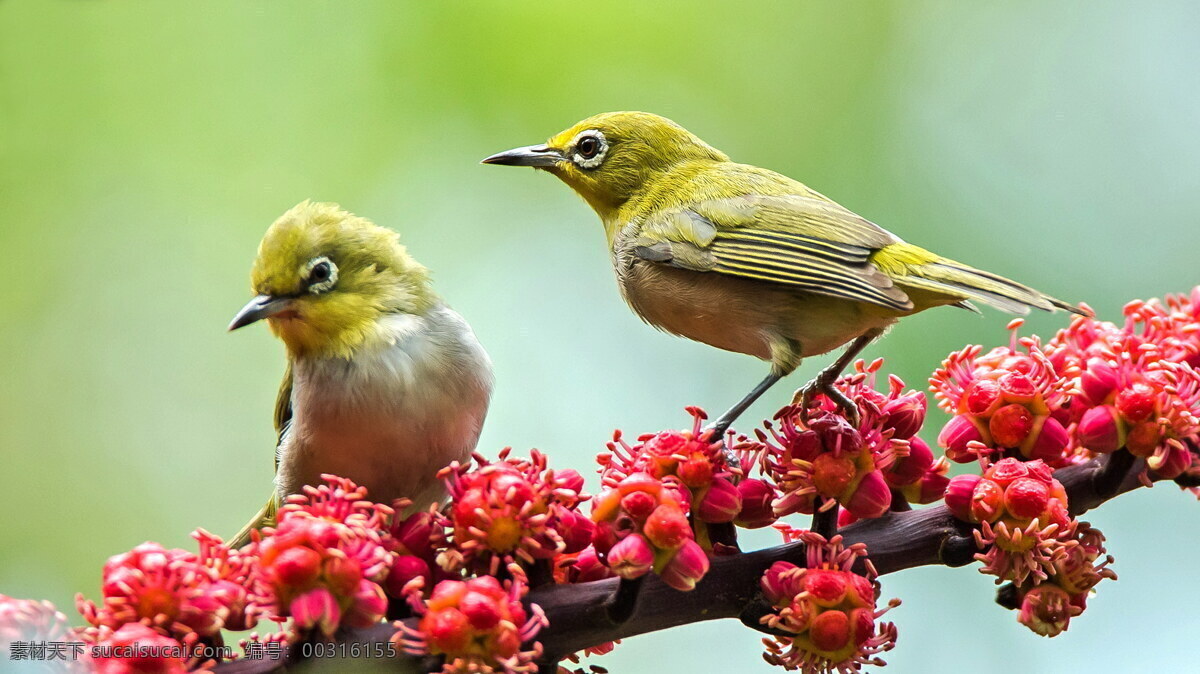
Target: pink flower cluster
x=323, y=563
x=1006, y=401
x=513, y=510
x=830, y=609
x=174, y=595
x=824, y=457
x=1139, y=384
x=477, y=625
x=642, y=525
x=1095, y=388
x=690, y=461
x=1028, y=537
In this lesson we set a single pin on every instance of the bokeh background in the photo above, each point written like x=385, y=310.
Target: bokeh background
x=146, y=146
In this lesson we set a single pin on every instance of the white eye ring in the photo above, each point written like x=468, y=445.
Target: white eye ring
x=318, y=286
x=594, y=160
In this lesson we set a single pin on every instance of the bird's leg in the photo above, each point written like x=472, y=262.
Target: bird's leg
x=726, y=420
x=823, y=382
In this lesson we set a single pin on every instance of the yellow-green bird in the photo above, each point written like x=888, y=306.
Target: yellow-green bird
x=746, y=259
x=385, y=384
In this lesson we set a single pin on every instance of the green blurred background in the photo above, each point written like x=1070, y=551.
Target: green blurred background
x=145, y=147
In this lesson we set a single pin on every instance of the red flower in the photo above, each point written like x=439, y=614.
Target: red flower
x=478, y=625
x=1006, y=398
x=512, y=510
x=830, y=610
x=176, y=593
x=825, y=457
x=323, y=563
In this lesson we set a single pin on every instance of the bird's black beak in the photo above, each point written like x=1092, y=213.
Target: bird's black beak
x=538, y=156
x=263, y=306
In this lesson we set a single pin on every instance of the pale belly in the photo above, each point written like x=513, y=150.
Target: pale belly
x=761, y=319
x=394, y=416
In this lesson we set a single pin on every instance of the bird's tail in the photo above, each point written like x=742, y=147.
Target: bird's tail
x=961, y=282
x=264, y=518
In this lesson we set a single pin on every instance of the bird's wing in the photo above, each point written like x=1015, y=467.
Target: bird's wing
x=283, y=410
x=804, y=242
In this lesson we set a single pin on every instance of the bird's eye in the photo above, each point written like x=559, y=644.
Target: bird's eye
x=320, y=275
x=590, y=148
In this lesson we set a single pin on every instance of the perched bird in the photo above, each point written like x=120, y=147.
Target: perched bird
x=746, y=259
x=385, y=384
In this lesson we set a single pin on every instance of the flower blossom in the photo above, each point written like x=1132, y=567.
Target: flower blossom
x=185, y=597
x=512, y=510
x=478, y=625
x=824, y=457
x=642, y=526
x=323, y=563
x=1006, y=400
x=830, y=610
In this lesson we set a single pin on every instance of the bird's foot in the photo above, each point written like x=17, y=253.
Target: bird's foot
x=716, y=433
x=823, y=383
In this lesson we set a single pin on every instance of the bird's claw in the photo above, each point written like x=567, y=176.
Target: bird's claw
x=824, y=384
x=715, y=432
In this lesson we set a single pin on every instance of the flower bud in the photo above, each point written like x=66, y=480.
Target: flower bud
x=930, y=488
x=316, y=608
x=404, y=569
x=639, y=504
x=1100, y=430
x=1004, y=471
x=987, y=502
x=905, y=415
x=1026, y=498
x=480, y=609
x=982, y=397
x=1010, y=425
x=871, y=499
x=667, y=527
x=631, y=557
x=1017, y=388
x=588, y=567
x=781, y=582
x=721, y=503
x=907, y=470
x=448, y=630
x=415, y=533
x=296, y=567
x=956, y=438
x=569, y=479
x=1136, y=403
x=959, y=494
x=576, y=530
x=826, y=588
x=695, y=472
x=1098, y=381
x=1049, y=441
x=804, y=446
x=369, y=606
x=686, y=568
x=756, y=497
x=830, y=631
x=837, y=435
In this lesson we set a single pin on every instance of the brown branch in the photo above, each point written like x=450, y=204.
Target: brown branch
x=582, y=615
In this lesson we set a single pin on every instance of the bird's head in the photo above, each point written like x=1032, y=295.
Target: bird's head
x=611, y=157
x=324, y=277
